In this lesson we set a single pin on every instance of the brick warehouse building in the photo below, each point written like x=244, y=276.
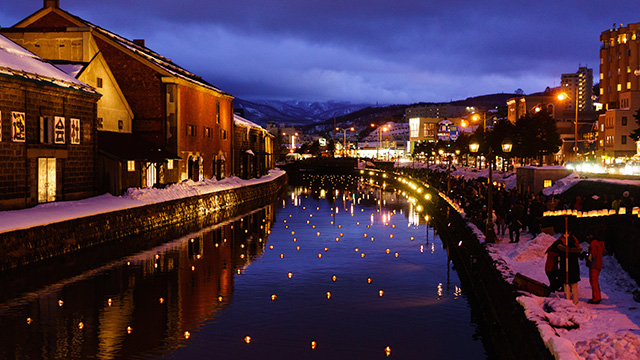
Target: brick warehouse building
x=47, y=131
x=173, y=109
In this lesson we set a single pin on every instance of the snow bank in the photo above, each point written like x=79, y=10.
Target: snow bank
x=53, y=212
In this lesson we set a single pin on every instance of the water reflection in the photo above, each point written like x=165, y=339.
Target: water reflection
x=349, y=271
x=146, y=303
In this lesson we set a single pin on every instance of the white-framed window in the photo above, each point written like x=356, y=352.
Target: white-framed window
x=170, y=164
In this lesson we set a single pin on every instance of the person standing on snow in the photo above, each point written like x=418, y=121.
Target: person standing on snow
x=569, y=266
x=552, y=267
x=594, y=262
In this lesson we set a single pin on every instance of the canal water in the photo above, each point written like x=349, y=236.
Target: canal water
x=330, y=271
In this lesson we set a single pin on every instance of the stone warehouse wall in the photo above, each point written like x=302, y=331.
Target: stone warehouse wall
x=171, y=218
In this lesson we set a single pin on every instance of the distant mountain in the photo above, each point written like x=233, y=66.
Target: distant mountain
x=294, y=112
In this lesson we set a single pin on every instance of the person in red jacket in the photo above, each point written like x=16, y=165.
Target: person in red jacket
x=594, y=262
x=552, y=266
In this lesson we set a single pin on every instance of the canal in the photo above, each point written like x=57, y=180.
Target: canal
x=332, y=270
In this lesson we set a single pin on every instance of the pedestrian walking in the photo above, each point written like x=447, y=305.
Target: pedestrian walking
x=514, y=220
x=569, y=266
x=594, y=262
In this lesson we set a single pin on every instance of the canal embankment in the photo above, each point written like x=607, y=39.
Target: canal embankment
x=157, y=220
x=513, y=335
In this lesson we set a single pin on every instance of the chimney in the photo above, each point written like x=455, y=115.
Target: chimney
x=51, y=4
x=139, y=42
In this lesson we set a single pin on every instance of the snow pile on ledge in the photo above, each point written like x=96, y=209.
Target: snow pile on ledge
x=57, y=211
x=606, y=331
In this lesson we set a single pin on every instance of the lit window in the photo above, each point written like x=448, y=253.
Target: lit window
x=601, y=76
x=628, y=84
x=619, y=87
x=547, y=183
x=131, y=165
x=628, y=69
x=601, y=91
x=170, y=164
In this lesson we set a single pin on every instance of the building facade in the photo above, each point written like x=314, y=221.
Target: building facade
x=619, y=92
x=253, y=149
x=186, y=121
x=47, y=132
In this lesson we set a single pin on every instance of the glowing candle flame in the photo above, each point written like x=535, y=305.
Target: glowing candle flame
x=129, y=329
x=60, y=302
x=290, y=275
x=29, y=320
x=328, y=295
x=274, y=297
x=313, y=345
x=80, y=325
x=187, y=334
x=369, y=280
x=319, y=256
x=247, y=339
x=334, y=278
x=109, y=302
x=387, y=351
x=281, y=256
x=161, y=300
x=380, y=293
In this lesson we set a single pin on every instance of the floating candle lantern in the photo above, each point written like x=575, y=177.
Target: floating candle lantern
x=109, y=302
x=369, y=280
x=328, y=295
x=29, y=320
x=161, y=300
x=247, y=339
x=281, y=256
x=319, y=256
x=380, y=293
x=387, y=351
x=60, y=302
x=313, y=345
x=80, y=325
x=290, y=275
x=334, y=278
x=129, y=329
x=274, y=297
x=187, y=334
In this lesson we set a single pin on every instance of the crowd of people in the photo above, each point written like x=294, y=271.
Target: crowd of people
x=515, y=211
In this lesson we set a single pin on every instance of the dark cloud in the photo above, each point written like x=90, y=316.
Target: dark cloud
x=362, y=50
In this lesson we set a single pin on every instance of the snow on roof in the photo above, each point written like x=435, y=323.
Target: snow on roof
x=239, y=120
x=18, y=61
x=159, y=60
x=71, y=69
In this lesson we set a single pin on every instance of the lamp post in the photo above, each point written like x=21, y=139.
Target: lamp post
x=384, y=128
x=506, y=147
x=562, y=97
x=344, y=140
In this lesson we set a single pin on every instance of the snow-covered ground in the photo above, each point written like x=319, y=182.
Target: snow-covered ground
x=609, y=330
x=606, y=331
x=53, y=212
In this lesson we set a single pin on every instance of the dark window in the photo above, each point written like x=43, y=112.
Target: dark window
x=99, y=82
x=207, y=132
x=120, y=124
x=624, y=139
x=191, y=130
x=624, y=121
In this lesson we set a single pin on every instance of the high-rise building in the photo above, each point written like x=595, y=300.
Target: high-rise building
x=580, y=83
x=619, y=63
x=619, y=91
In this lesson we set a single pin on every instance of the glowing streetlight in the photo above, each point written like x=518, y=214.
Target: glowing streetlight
x=344, y=139
x=562, y=97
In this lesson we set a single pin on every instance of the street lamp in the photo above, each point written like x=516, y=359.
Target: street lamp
x=506, y=147
x=344, y=140
x=562, y=97
x=385, y=129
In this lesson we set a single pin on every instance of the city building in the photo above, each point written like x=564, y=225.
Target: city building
x=580, y=85
x=47, y=131
x=186, y=120
x=442, y=111
x=252, y=149
x=619, y=92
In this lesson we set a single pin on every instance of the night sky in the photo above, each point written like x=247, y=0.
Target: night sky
x=386, y=51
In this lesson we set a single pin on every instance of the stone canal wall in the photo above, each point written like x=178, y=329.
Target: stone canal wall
x=164, y=220
x=513, y=336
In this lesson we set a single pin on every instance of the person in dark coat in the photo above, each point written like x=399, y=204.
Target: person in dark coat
x=514, y=221
x=594, y=262
x=552, y=266
x=569, y=266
